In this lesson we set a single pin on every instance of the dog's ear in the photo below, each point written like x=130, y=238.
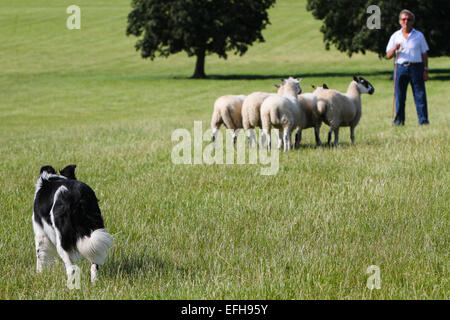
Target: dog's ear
x=69, y=171
x=48, y=169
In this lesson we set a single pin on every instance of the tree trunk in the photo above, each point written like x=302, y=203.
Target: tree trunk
x=200, y=66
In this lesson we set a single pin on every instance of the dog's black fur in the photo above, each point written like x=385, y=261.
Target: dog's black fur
x=69, y=172
x=76, y=211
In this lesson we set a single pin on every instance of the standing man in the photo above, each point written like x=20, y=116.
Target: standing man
x=411, y=66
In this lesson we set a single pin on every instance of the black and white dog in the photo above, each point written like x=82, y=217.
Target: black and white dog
x=66, y=216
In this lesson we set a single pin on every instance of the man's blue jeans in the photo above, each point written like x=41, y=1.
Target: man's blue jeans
x=413, y=74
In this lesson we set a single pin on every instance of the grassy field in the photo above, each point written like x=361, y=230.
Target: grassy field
x=216, y=231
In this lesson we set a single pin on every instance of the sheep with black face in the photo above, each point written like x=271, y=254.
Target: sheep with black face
x=337, y=109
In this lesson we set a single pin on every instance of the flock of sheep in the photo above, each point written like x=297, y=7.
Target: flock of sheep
x=288, y=110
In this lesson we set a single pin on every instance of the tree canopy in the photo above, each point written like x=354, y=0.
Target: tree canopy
x=344, y=23
x=198, y=27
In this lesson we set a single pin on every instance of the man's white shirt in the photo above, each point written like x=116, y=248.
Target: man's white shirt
x=411, y=49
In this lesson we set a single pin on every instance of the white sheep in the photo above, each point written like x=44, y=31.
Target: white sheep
x=343, y=110
x=227, y=111
x=282, y=111
x=251, y=113
x=309, y=118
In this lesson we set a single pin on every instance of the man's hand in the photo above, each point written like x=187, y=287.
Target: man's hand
x=425, y=75
x=391, y=53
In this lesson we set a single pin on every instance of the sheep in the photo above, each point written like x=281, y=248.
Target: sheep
x=324, y=86
x=282, y=111
x=251, y=113
x=227, y=110
x=309, y=117
x=342, y=110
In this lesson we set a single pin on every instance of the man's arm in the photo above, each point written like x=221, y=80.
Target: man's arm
x=391, y=53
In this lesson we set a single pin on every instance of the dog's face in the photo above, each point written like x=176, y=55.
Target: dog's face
x=69, y=171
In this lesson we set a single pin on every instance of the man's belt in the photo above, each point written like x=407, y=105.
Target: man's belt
x=407, y=64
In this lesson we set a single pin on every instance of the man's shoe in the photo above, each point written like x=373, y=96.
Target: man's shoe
x=398, y=123
x=424, y=123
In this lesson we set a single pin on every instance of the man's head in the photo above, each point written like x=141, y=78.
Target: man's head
x=406, y=19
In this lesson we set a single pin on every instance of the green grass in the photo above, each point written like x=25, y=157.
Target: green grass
x=216, y=231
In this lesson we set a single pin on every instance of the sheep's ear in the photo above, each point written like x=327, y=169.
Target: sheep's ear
x=355, y=78
x=282, y=81
x=313, y=86
x=277, y=86
x=299, y=79
x=325, y=86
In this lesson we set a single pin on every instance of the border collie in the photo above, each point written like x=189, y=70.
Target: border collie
x=66, y=217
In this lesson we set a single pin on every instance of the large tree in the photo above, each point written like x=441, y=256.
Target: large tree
x=198, y=27
x=344, y=23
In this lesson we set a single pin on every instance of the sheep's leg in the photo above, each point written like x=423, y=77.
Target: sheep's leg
x=298, y=138
x=280, y=139
x=251, y=137
x=214, y=136
x=352, y=134
x=263, y=138
x=291, y=145
x=287, y=139
x=266, y=133
x=317, y=135
x=329, y=135
x=235, y=134
x=336, y=136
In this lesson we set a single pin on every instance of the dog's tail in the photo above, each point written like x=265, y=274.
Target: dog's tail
x=95, y=247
